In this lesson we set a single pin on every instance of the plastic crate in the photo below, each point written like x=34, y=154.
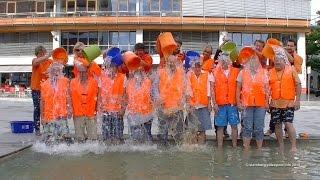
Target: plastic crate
x=22, y=126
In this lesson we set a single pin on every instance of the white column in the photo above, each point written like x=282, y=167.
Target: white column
x=56, y=38
x=222, y=35
x=139, y=36
x=137, y=7
x=301, y=50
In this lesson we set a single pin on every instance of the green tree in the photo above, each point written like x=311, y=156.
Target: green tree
x=313, y=48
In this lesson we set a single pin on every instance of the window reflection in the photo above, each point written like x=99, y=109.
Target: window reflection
x=247, y=39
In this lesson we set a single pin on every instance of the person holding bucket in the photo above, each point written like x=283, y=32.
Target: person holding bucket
x=146, y=59
x=84, y=91
x=40, y=65
x=252, y=96
x=140, y=105
x=224, y=99
x=207, y=61
x=56, y=100
x=199, y=99
x=111, y=99
x=171, y=100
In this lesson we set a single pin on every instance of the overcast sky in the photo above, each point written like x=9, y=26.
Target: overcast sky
x=315, y=6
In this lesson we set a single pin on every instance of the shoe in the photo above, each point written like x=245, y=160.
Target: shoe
x=268, y=133
x=273, y=135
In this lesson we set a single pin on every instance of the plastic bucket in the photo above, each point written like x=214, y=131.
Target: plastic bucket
x=22, y=126
x=92, y=52
x=167, y=43
x=147, y=62
x=115, y=56
x=60, y=55
x=245, y=54
x=272, y=41
x=234, y=55
x=131, y=60
x=229, y=47
x=190, y=56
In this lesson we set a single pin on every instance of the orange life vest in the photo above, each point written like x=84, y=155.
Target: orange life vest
x=283, y=87
x=208, y=65
x=199, y=89
x=84, y=98
x=139, y=98
x=253, y=90
x=297, y=61
x=54, y=99
x=225, y=87
x=112, y=92
x=171, y=90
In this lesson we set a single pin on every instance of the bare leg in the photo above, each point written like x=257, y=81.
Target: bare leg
x=220, y=137
x=279, y=134
x=234, y=135
x=246, y=143
x=292, y=135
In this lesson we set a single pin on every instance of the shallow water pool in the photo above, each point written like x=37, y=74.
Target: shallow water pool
x=94, y=161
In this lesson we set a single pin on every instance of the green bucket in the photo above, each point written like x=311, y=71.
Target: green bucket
x=234, y=55
x=229, y=47
x=92, y=52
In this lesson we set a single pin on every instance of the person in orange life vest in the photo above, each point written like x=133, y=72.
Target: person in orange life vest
x=170, y=93
x=258, y=47
x=252, y=96
x=56, y=104
x=111, y=98
x=285, y=90
x=199, y=100
x=297, y=60
x=84, y=91
x=146, y=59
x=93, y=68
x=40, y=65
x=207, y=61
x=224, y=99
x=140, y=106
x=178, y=53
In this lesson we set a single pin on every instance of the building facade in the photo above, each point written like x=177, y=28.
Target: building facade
x=25, y=24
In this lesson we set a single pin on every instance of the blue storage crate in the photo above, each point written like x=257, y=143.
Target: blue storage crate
x=22, y=126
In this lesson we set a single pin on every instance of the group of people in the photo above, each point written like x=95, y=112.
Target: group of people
x=181, y=93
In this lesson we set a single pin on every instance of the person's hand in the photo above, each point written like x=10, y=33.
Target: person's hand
x=49, y=53
x=296, y=105
x=209, y=107
x=215, y=108
x=240, y=106
x=268, y=107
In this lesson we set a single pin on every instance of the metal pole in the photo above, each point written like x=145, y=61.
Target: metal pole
x=308, y=87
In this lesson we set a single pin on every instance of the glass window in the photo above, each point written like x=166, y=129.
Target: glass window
x=123, y=5
x=83, y=37
x=41, y=6
x=236, y=38
x=166, y=5
x=81, y=5
x=11, y=7
x=49, y=6
x=246, y=39
x=132, y=37
x=113, y=38
x=132, y=5
x=256, y=37
x=103, y=38
x=71, y=6
x=25, y=6
x=92, y=5
x=93, y=38
x=3, y=7
x=114, y=5
x=145, y=5
x=154, y=5
x=176, y=5
x=123, y=38
x=264, y=37
x=64, y=38
x=72, y=38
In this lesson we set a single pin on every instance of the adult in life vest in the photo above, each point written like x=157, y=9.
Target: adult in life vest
x=170, y=95
x=207, y=62
x=198, y=101
x=146, y=59
x=84, y=92
x=140, y=106
x=56, y=104
x=295, y=59
x=79, y=59
x=40, y=64
x=111, y=98
x=285, y=91
x=224, y=99
x=252, y=96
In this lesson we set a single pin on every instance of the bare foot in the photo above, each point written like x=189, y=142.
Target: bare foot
x=294, y=149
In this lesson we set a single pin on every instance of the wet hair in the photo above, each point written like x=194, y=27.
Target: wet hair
x=139, y=46
x=38, y=49
x=178, y=40
x=292, y=40
x=259, y=41
x=208, y=47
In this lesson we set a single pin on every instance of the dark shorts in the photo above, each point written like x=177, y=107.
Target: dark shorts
x=282, y=115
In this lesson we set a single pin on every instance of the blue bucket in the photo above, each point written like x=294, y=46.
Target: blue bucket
x=22, y=126
x=115, y=56
x=190, y=56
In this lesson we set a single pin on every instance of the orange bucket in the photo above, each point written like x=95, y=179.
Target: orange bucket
x=60, y=55
x=272, y=41
x=244, y=54
x=268, y=52
x=167, y=43
x=131, y=60
x=146, y=62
